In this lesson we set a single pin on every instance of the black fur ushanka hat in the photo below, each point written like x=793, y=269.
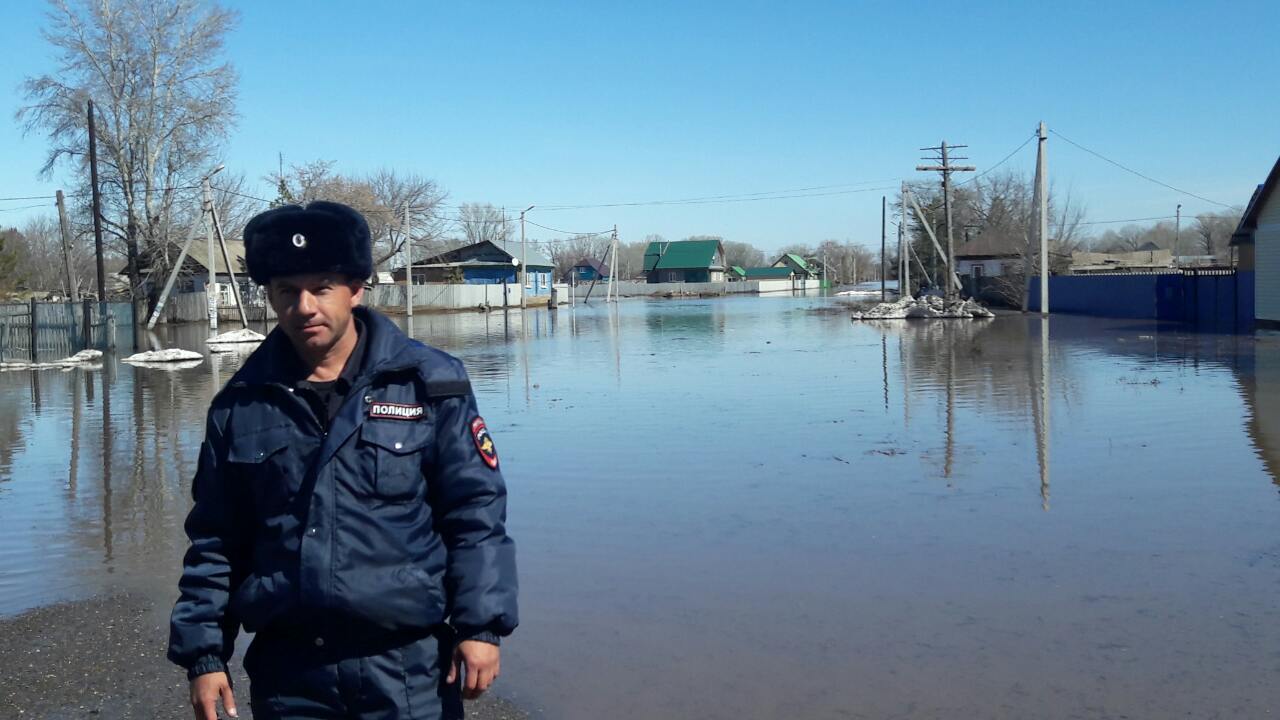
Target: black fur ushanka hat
x=322, y=237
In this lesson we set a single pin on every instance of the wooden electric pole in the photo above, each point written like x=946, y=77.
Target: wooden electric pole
x=884, y=205
x=904, y=249
x=72, y=283
x=946, y=168
x=408, y=266
x=97, y=211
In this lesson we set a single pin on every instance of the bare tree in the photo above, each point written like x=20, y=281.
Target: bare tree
x=1003, y=205
x=481, y=222
x=165, y=101
x=570, y=251
x=742, y=254
x=1213, y=230
x=382, y=198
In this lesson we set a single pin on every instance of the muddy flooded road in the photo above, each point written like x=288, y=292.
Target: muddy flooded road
x=754, y=508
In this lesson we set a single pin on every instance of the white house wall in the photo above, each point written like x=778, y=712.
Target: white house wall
x=1267, y=261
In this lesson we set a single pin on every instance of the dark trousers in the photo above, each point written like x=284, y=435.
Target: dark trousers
x=327, y=678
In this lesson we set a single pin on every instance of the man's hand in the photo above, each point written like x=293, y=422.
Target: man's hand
x=207, y=689
x=481, y=667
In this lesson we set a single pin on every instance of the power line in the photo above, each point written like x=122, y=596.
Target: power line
x=24, y=207
x=712, y=199
x=1002, y=161
x=1141, y=175
x=566, y=232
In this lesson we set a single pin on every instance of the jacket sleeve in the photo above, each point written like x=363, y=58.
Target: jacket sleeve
x=469, y=500
x=202, y=631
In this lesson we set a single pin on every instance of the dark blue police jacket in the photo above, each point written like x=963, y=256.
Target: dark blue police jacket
x=391, y=522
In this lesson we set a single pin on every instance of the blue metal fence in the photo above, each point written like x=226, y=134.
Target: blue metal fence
x=1214, y=300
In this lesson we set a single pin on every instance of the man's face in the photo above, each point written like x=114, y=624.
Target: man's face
x=314, y=309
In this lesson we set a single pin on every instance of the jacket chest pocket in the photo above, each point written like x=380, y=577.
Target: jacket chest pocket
x=264, y=463
x=396, y=450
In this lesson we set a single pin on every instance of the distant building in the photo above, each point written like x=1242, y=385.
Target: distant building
x=772, y=273
x=736, y=273
x=1092, y=263
x=989, y=255
x=693, y=261
x=588, y=270
x=1256, y=243
x=491, y=262
x=799, y=266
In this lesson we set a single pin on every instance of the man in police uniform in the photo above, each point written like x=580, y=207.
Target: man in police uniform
x=349, y=508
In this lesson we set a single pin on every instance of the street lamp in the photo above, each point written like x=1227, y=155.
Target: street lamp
x=524, y=258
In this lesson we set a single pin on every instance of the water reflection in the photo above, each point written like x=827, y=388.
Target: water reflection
x=727, y=472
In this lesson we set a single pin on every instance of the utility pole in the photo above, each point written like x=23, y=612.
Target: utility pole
x=946, y=168
x=72, y=283
x=1177, y=234
x=524, y=259
x=210, y=287
x=904, y=250
x=1042, y=188
x=97, y=210
x=613, y=267
x=408, y=266
x=884, y=208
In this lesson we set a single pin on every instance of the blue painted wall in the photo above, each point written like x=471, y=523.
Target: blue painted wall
x=1218, y=302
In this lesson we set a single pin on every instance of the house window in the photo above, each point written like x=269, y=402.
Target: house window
x=977, y=272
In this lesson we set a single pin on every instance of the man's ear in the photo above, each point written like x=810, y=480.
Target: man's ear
x=357, y=291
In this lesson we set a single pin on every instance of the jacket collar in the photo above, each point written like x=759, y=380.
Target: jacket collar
x=387, y=349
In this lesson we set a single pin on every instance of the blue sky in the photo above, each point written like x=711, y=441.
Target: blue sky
x=592, y=103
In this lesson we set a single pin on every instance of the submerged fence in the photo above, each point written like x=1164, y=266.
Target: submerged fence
x=1220, y=300
x=35, y=330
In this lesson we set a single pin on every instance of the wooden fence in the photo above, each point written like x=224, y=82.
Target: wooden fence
x=48, y=330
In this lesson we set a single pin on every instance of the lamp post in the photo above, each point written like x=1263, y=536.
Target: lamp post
x=524, y=258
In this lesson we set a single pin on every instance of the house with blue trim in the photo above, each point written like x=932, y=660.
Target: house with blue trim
x=490, y=262
x=588, y=270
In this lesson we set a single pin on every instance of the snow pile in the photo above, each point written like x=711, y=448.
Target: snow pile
x=172, y=355
x=84, y=357
x=930, y=306
x=237, y=336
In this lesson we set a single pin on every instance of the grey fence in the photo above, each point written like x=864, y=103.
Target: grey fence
x=50, y=330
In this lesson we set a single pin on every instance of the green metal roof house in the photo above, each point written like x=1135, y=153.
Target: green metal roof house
x=736, y=273
x=684, y=261
x=771, y=273
x=796, y=263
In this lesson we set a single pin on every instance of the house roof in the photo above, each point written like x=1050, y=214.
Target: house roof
x=769, y=273
x=1249, y=222
x=799, y=261
x=1148, y=246
x=476, y=250
x=737, y=270
x=198, y=252
x=594, y=264
x=989, y=245
x=681, y=255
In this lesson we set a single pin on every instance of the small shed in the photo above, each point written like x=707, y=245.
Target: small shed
x=736, y=273
x=684, y=261
x=1256, y=242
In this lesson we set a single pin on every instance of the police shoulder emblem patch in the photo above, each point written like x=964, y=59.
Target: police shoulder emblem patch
x=484, y=443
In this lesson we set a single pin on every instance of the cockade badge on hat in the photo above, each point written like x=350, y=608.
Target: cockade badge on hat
x=299, y=240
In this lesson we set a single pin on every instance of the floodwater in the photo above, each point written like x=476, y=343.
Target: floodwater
x=754, y=508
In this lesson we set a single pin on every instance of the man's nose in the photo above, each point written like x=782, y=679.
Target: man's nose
x=306, y=303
